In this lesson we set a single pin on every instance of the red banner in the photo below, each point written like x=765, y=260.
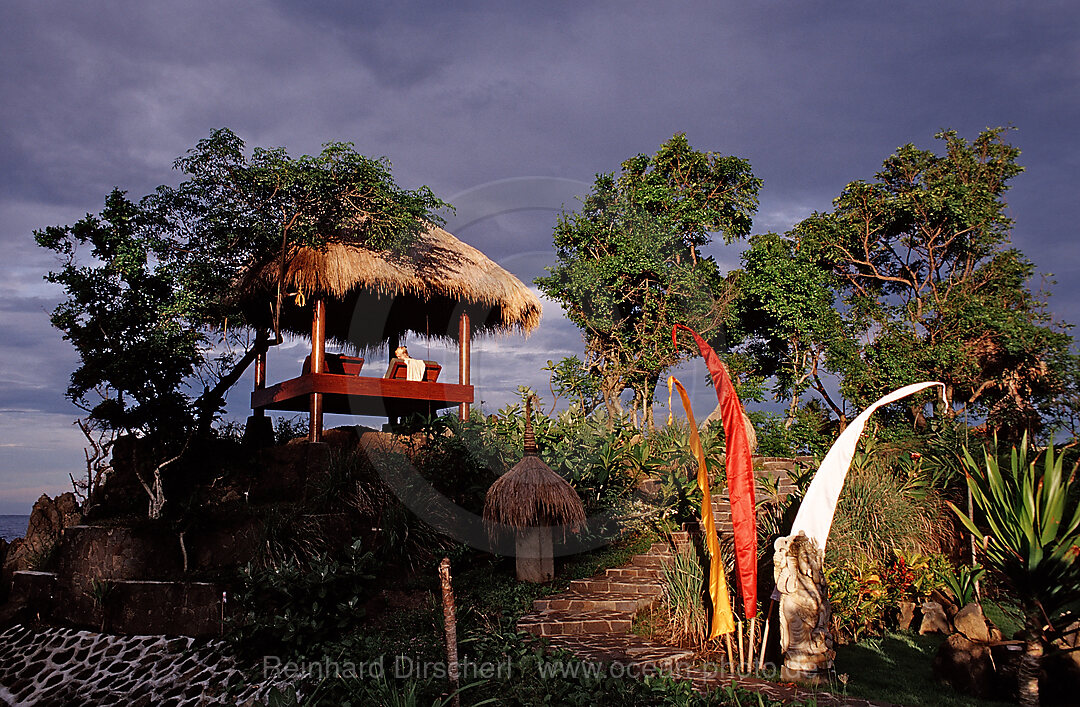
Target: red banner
x=740, y=472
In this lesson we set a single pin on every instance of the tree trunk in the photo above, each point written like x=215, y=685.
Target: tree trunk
x=213, y=399
x=609, y=387
x=1031, y=663
x=450, y=626
x=650, y=396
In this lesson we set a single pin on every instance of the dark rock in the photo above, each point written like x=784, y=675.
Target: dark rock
x=966, y=666
x=1060, y=682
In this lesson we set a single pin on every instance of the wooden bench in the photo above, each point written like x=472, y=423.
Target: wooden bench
x=340, y=364
x=398, y=370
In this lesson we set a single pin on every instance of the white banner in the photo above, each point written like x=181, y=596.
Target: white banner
x=816, y=513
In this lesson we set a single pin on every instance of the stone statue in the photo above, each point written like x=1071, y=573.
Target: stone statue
x=804, y=609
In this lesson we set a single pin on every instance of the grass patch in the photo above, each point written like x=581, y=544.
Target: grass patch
x=1005, y=615
x=896, y=668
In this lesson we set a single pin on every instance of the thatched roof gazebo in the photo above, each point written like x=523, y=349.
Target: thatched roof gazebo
x=532, y=499
x=439, y=288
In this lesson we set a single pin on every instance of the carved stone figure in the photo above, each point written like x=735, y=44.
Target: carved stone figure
x=804, y=609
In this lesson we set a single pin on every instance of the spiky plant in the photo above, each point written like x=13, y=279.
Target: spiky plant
x=1034, y=539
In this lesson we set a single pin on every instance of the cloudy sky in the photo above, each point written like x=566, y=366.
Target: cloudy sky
x=507, y=110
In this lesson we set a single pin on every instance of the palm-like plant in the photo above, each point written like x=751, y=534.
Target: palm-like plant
x=1034, y=540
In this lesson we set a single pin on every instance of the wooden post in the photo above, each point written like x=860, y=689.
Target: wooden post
x=260, y=369
x=464, y=354
x=318, y=365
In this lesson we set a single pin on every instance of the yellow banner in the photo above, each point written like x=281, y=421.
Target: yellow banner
x=723, y=621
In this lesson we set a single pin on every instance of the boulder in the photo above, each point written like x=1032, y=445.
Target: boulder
x=934, y=619
x=48, y=519
x=907, y=614
x=971, y=622
x=967, y=666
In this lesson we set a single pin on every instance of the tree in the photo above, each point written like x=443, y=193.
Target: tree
x=629, y=262
x=1033, y=519
x=147, y=283
x=911, y=277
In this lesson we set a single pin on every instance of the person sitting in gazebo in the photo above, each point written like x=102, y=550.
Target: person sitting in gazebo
x=414, y=367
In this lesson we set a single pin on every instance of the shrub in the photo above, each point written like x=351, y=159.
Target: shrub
x=883, y=508
x=297, y=608
x=683, y=582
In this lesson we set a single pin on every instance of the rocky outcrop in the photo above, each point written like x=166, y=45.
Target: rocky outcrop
x=48, y=519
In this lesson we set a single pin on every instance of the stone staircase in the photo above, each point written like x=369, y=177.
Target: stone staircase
x=594, y=616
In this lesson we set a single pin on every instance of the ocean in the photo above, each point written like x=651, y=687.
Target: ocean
x=12, y=527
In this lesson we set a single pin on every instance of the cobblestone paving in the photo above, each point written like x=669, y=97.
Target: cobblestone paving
x=60, y=666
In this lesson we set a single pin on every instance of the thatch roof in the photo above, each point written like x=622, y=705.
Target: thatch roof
x=372, y=296
x=531, y=494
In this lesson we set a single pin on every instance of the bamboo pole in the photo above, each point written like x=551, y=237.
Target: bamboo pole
x=318, y=350
x=450, y=622
x=751, y=644
x=464, y=359
x=765, y=635
x=730, y=657
x=739, y=640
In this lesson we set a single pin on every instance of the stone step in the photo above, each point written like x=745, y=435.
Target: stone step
x=667, y=550
x=572, y=623
x=601, y=585
x=595, y=601
x=622, y=574
x=655, y=561
x=38, y=590
x=632, y=653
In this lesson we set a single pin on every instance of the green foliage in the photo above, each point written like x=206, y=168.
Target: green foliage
x=357, y=481
x=864, y=597
x=289, y=428
x=883, y=509
x=1033, y=518
x=570, y=379
x=295, y=608
x=123, y=316
x=683, y=582
x=963, y=582
x=859, y=601
x=629, y=265
x=911, y=277
x=600, y=461
x=805, y=433
x=148, y=283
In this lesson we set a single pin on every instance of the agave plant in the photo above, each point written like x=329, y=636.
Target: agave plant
x=1034, y=540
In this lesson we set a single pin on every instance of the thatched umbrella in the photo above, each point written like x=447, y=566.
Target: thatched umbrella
x=532, y=499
